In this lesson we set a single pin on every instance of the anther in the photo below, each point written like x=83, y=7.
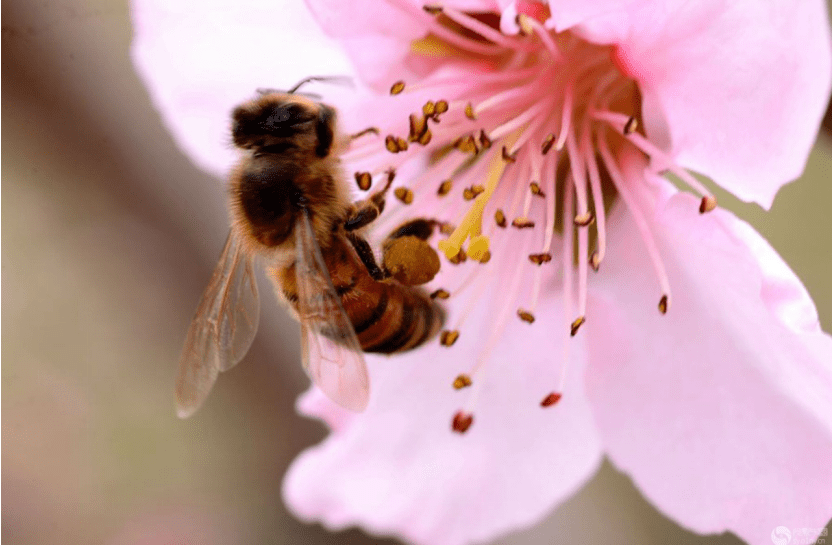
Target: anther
x=444, y=188
x=708, y=204
x=469, y=112
x=524, y=23
x=448, y=337
x=440, y=108
x=429, y=108
x=397, y=88
x=440, y=294
x=470, y=193
x=500, y=218
x=462, y=421
x=364, y=180
x=433, y=9
x=466, y=144
x=485, y=257
x=509, y=157
x=460, y=257
x=664, y=304
x=576, y=325
x=550, y=399
x=585, y=219
x=418, y=127
x=535, y=189
x=462, y=381
x=485, y=141
x=631, y=125
x=404, y=194
x=548, y=142
x=540, y=259
x=425, y=138
x=395, y=144
x=523, y=223
x=525, y=315
x=595, y=261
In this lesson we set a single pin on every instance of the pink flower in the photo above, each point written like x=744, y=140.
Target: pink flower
x=718, y=404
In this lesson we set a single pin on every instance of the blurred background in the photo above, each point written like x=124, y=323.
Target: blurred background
x=109, y=236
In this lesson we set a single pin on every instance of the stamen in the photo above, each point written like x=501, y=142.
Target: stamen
x=528, y=24
x=448, y=337
x=576, y=325
x=397, y=88
x=550, y=399
x=548, y=142
x=535, y=189
x=462, y=421
x=522, y=223
x=638, y=217
x=444, y=188
x=404, y=194
x=597, y=198
x=540, y=259
x=525, y=315
x=364, y=180
x=440, y=294
x=486, y=31
x=565, y=116
x=500, y=218
x=469, y=112
x=462, y=381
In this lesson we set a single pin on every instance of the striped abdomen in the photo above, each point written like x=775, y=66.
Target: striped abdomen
x=387, y=316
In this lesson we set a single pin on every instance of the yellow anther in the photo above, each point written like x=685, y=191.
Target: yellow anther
x=478, y=247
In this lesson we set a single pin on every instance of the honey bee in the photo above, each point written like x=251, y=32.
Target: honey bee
x=290, y=207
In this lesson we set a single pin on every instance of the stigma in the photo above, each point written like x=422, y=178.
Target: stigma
x=522, y=139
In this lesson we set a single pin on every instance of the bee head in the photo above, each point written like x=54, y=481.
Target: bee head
x=277, y=122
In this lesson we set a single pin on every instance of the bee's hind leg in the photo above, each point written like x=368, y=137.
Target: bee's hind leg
x=368, y=258
x=407, y=256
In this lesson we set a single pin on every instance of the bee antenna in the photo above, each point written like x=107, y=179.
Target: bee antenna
x=340, y=80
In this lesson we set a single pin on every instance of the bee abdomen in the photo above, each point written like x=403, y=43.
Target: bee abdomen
x=404, y=318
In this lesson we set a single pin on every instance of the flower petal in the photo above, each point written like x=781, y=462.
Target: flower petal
x=724, y=83
x=723, y=418
x=398, y=469
x=198, y=64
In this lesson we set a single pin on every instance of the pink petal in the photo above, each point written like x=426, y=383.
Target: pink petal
x=737, y=89
x=199, y=63
x=719, y=410
x=398, y=469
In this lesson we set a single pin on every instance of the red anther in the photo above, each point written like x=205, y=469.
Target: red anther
x=550, y=399
x=462, y=421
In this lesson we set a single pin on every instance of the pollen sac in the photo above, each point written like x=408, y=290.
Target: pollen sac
x=540, y=259
x=418, y=127
x=410, y=260
x=576, y=325
x=550, y=399
x=444, y=188
x=469, y=112
x=524, y=22
x=424, y=140
x=467, y=144
x=460, y=257
x=364, y=180
x=470, y=193
x=440, y=108
x=595, y=261
x=440, y=294
x=462, y=381
x=500, y=218
x=448, y=337
x=485, y=141
x=534, y=187
x=664, y=304
x=429, y=108
x=523, y=223
x=433, y=9
x=584, y=220
x=485, y=257
x=708, y=203
x=397, y=88
x=404, y=194
x=526, y=316
x=509, y=157
x=548, y=142
x=462, y=421
x=631, y=125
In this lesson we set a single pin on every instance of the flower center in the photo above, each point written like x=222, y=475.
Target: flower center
x=524, y=133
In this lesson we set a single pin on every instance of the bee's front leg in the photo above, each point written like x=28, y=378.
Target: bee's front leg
x=364, y=212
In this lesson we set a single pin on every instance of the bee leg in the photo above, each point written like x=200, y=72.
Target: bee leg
x=368, y=130
x=366, y=211
x=407, y=256
x=365, y=253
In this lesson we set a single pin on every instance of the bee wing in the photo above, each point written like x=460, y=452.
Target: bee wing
x=222, y=329
x=332, y=355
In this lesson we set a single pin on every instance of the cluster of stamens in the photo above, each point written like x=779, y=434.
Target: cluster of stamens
x=536, y=143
